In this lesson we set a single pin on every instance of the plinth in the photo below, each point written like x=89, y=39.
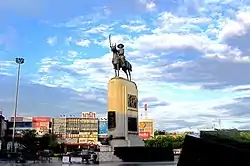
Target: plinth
x=123, y=113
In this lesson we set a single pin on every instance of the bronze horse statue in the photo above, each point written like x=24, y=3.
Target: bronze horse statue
x=126, y=68
x=118, y=63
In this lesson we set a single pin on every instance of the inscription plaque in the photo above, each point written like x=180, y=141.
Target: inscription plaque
x=132, y=101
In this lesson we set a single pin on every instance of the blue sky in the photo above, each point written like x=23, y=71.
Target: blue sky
x=190, y=58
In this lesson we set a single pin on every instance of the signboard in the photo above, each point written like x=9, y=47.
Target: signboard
x=89, y=115
x=41, y=124
x=142, y=125
x=88, y=140
x=144, y=135
x=41, y=119
x=27, y=119
x=18, y=119
x=71, y=140
x=103, y=127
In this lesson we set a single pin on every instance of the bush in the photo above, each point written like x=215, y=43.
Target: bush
x=165, y=141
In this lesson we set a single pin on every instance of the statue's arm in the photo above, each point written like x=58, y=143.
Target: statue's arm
x=113, y=49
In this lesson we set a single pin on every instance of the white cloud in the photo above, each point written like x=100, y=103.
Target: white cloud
x=149, y=4
x=52, y=40
x=150, y=55
x=83, y=43
x=190, y=62
x=135, y=28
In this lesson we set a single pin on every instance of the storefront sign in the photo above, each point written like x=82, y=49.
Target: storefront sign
x=144, y=135
x=71, y=140
x=27, y=119
x=41, y=124
x=90, y=115
x=41, y=119
x=142, y=125
x=103, y=127
x=18, y=119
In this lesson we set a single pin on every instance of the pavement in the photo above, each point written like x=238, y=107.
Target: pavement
x=58, y=163
x=106, y=164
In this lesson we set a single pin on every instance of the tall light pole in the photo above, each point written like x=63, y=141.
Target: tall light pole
x=19, y=61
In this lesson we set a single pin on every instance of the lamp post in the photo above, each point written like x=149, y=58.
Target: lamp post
x=19, y=61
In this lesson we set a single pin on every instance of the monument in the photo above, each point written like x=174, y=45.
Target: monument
x=122, y=103
x=123, y=142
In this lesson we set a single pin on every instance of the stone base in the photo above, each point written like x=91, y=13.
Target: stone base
x=133, y=140
x=118, y=143
x=106, y=154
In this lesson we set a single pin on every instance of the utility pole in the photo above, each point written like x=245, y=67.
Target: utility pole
x=220, y=123
x=19, y=61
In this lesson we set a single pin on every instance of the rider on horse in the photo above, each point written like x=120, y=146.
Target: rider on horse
x=121, y=55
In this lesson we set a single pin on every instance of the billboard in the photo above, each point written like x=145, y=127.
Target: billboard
x=144, y=135
x=41, y=124
x=103, y=127
x=27, y=119
x=89, y=115
x=18, y=119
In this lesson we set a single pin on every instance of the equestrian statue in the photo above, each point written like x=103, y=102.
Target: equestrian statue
x=119, y=60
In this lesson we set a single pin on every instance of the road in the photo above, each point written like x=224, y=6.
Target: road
x=106, y=164
x=56, y=163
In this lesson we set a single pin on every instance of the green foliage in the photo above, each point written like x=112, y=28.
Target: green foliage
x=29, y=140
x=48, y=141
x=244, y=136
x=228, y=134
x=32, y=142
x=165, y=141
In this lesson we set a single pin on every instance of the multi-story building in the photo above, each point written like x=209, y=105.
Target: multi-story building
x=22, y=124
x=88, y=130
x=41, y=124
x=146, y=128
x=76, y=131
x=59, y=128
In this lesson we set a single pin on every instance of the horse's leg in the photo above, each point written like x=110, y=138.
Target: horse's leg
x=125, y=71
x=129, y=75
x=118, y=69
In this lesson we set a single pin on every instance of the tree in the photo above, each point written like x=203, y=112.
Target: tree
x=48, y=141
x=166, y=141
x=29, y=140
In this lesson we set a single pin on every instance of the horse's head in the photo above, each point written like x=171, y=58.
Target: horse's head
x=113, y=48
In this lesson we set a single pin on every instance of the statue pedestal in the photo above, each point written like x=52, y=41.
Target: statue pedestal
x=123, y=113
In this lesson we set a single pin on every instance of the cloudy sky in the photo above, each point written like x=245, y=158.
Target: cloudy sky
x=190, y=58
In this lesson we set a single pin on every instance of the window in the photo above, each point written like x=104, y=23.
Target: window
x=24, y=124
x=132, y=124
x=111, y=120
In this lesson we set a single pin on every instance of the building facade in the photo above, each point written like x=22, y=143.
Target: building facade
x=146, y=128
x=22, y=124
x=76, y=131
x=59, y=128
x=88, y=130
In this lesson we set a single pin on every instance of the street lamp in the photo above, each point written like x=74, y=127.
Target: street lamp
x=19, y=61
